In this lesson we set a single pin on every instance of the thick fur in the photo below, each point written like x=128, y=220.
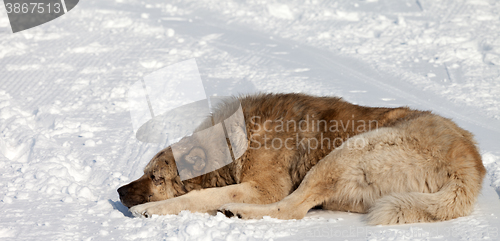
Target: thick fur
x=396, y=164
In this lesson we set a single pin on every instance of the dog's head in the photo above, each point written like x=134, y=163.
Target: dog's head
x=160, y=181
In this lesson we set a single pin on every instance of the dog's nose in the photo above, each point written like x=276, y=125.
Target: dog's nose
x=122, y=191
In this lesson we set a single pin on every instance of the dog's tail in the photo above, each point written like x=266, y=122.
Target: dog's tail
x=451, y=202
x=454, y=199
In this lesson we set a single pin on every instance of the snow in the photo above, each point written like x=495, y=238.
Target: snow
x=67, y=140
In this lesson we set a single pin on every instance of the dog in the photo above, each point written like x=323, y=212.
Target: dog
x=397, y=165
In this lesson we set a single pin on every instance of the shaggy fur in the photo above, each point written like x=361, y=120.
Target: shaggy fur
x=397, y=164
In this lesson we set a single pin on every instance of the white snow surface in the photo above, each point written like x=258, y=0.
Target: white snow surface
x=67, y=141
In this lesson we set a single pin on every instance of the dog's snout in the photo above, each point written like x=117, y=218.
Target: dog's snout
x=122, y=191
x=136, y=192
x=126, y=198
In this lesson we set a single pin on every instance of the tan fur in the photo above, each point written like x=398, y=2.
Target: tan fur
x=396, y=164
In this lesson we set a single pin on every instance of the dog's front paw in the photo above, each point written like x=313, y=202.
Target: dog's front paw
x=145, y=210
x=164, y=207
x=140, y=210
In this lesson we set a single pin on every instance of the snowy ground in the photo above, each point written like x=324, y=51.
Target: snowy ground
x=66, y=138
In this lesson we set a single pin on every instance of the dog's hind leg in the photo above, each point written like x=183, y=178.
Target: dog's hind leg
x=455, y=198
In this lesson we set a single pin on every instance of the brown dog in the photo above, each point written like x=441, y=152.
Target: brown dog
x=396, y=164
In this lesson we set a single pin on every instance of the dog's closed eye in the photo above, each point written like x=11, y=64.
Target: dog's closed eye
x=157, y=180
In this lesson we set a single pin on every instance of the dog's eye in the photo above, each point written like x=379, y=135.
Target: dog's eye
x=157, y=180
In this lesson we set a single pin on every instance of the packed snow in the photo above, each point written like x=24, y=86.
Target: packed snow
x=66, y=135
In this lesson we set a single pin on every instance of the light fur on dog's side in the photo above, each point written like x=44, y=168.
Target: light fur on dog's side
x=396, y=164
